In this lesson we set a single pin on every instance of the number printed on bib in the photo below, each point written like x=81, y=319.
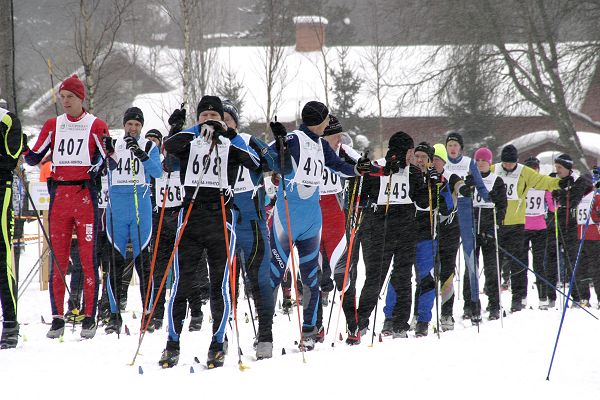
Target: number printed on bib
x=488, y=181
x=72, y=141
x=311, y=162
x=583, y=209
x=536, y=204
x=174, y=194
x=201, y=164
x=129, y=169
x=511, y=180
x=397, y=190
x=332, y=183
x=103, y=198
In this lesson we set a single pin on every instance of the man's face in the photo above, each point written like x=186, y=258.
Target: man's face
x=334, y=140
x=208, y=114
x=561, y=171
x=229, y=121
x=509, y=166
x=483, y=166
x=72, y=104
x=421, y=160
x=453, y=148
x=133, y=128
x=438, y=164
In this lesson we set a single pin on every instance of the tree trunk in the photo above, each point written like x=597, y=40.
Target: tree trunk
x=7, y=56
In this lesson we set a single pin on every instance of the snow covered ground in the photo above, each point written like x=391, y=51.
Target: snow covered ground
x=494, y=363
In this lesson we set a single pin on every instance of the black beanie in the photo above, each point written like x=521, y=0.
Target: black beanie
x=212, y=103
x=565, y=160
x=457, y=137
x=133, y=113
x=427, y=149
x=314, y=113
x=401, y=141
x=333, y=127
x=509, y=154
x=230, y=109
x=532, y=162
x=155, y=133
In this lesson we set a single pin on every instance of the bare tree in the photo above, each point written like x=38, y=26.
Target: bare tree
x=377, y=62
x=96, y=30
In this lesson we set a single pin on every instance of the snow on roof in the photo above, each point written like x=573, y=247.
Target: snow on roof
x=590, y=141
x=310, y=19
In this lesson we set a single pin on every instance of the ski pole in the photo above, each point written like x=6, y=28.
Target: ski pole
x=232, y=276
x=113, y=294
x=248, y=290
x=498, y=268
x=522, y=265
x=205, y=163
x=385, y=226
x=32, y=272
x=52, y=252
x=290, y=241
x=564, y=312
x=354, y=223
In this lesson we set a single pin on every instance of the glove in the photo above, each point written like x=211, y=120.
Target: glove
x=566, y=182
x=278, y=130
x=391, y=167
x=177, y=120
x=132, y=144
x=465, y=190
x=470, y=181
x=433, y=176
x=363, y=166
x=218, y=126
x=109, y=144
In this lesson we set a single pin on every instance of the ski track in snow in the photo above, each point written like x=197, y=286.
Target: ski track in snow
x=496, y=363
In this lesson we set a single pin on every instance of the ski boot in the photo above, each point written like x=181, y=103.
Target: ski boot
x=309, y=338
x=516, y=305
x=422, y=329
x=476, y=312
x=494, y=314
x=543, y=304
x=388, y=327
x=114, y=324
x=57, y=329
x=196, y=323
x=88, y=328
x=264, y=350
x=216, y=354
x=169, y=357
x=353, y=338
x=447, y=323
x=10, y=335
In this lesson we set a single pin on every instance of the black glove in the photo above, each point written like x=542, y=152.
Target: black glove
x=109, y=144
x=211, y=130
x=470, y=181
x=218, y=126
x=132, y=144
x=363, y=166
x=391, y=167
x=465, y=190
x=177, y=120
x=433, y=176
x=278, y=130
x=566, y=183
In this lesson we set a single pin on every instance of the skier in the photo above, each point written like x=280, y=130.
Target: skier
x=466, y=169
x=538, y=205
x=518, y=179
x=484, y=221
x=589, y=269
x=75, y=139
x=306, y=156
x=209, y=155
x=10, y=151
x=251, y=232
x=425, y=228
x=388, y=232
x=568, y=197
x=134, y=161
x=334, y=243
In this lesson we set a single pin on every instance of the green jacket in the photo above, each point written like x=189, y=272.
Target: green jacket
x=528, y=179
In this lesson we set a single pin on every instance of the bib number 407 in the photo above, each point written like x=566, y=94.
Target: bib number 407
x=70, y=147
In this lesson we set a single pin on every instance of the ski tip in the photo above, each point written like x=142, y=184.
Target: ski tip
x=127, y=332
x=192, y=369
x=140, y=370
x=380, y=338
x=341, y=338
x=283, y=351
x=133, y=315
x=196, y=360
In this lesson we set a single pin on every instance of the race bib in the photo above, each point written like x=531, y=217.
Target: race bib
x=72, y=141
x=205, y=166
x=129, y=169
x=174, y=194
x=536, y=204
x=103, y=198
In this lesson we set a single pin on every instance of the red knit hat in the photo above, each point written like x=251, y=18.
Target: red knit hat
x=73, y=85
